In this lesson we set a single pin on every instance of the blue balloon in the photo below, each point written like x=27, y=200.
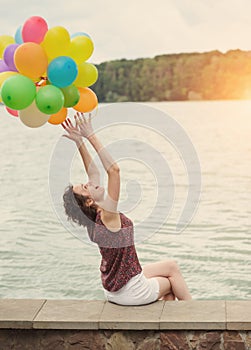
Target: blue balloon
x=18, y=36
x=62, y=71
x=80, y=34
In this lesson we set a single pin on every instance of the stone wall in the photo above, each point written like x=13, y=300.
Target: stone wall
x=123, y=340
x=82, y=325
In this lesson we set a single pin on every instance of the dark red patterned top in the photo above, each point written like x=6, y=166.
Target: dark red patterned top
x=119, y=258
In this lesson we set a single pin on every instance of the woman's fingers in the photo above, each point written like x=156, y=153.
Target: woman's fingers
x=81, y=121
x=76, y=122
x=77, y=118
x=66, y=126
x=69, y=121
x=81, y=117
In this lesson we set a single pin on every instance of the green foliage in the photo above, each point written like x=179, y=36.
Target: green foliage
x=187, y=76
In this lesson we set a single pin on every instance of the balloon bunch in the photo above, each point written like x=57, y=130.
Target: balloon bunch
x=43, y=72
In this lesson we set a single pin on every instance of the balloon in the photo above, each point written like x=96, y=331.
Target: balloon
x=5, y=40
x=3, y=77
x=18, y=92
x=43, y=71
x=49, y=99
x=80, y=34
x=71, y=96
x=87, y=102
x=81, y=48
x=8, y=56
x=6, y=75
x=56, y=42
x=87, y=75
x=59, y=117
x=12, y=111
x=33, y=117
x=31, y=60
x=34, y=29
x=3, y=66
x=18, y=35
x=62, y=71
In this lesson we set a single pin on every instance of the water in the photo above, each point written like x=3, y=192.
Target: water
x=41, y=259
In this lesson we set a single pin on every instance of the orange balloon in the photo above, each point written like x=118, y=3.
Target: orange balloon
x=87, y=102
x=58, y=117
x=31, y=60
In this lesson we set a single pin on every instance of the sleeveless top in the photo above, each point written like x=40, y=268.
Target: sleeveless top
x=119, y=258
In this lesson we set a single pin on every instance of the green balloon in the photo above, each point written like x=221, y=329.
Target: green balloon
x=71, y=95
x=49, y=99
x=18, y=92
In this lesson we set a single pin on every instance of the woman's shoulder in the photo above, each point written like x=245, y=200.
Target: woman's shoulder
x=125, y=221
x=125, y=218
x=99, y=214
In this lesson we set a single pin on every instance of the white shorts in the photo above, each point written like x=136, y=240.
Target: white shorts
x=138, y=291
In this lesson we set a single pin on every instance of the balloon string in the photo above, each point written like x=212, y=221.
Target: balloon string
x=41, y=81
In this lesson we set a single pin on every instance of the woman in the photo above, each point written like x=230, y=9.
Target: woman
x=124, y=281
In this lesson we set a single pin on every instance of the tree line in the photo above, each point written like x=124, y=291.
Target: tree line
x=187, y=76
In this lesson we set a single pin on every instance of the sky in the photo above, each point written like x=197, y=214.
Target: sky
x=141, y=28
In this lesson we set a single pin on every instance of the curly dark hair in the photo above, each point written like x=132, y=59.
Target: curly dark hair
x=77, y=210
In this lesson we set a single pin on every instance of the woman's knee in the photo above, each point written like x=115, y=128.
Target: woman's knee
x=173, y=266
x=164, y=286
x=168, y=297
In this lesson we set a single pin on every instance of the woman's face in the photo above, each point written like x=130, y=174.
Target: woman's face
x=89, y=189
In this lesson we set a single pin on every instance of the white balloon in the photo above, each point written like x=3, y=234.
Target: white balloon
x=32, y=116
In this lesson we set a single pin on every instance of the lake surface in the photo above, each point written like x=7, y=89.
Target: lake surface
x=41, y=258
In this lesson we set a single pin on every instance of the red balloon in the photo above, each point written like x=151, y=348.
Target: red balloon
x=34, y=29
x=12, y=111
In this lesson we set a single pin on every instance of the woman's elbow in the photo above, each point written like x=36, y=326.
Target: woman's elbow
x=114, y=169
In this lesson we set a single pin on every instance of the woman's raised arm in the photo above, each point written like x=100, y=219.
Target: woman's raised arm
x=74, y=135
x=110, y=166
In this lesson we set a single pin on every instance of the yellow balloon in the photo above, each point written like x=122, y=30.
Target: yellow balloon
x=87, y=75
x=56, y=42
x=5, y=40
x=6, y=75
x=32, y=116
x=3, y=77
x=81, y=48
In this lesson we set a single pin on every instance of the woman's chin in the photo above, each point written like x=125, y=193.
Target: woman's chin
x=99, y=197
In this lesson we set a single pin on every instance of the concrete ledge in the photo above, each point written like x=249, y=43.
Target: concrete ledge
x=17, y=313
x=133, y=317
x=98, y=325
x=69, y=314
x=238, y=315
x=195, y=314
x=94, y=315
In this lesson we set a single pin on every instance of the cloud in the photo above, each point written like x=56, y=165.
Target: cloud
x=143, y=28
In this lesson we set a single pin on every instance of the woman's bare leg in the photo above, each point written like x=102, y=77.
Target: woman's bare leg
x=168, y=297
x=173, y=280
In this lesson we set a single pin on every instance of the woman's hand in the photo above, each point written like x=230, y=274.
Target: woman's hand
x=84, y=125
x=72, y=130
